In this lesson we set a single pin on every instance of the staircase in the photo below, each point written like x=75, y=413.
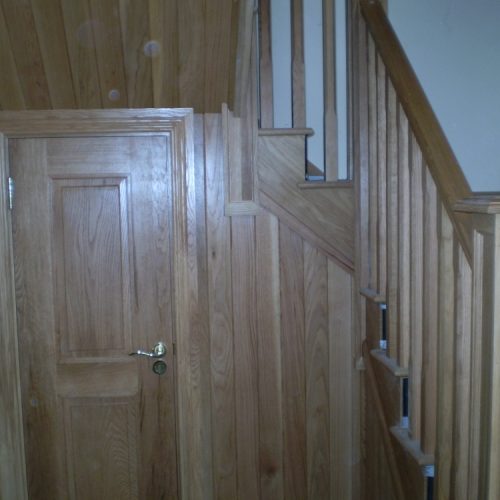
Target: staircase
x=425, y=253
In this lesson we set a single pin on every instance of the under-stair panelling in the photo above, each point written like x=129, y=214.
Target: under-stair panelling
x=275, y=357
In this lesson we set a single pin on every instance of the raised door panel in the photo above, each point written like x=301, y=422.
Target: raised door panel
x=92, y=242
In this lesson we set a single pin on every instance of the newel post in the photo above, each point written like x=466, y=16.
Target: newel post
x=484, y=217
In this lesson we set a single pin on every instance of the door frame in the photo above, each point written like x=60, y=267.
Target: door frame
x=179, y=124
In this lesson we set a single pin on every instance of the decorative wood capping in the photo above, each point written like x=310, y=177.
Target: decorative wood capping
x=324, y=216
x=446, y=172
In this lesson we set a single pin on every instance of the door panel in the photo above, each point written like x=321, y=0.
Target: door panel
x=92, y=242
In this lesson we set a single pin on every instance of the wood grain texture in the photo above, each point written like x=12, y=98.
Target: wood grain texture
x=220, y=315
x=84, y=219
x=24, y=45
x=393, y=332
x=445, y=408
x=317, y=372
x=430, y=311
x=109, y=52
x=330, y=92
x=265, y=65
x=245, y=318
x=134, y=26
x=416, y=288
x=298, y=66
x=162, y=53
x=329, y=214
x=163, y=22
x=372, y=165
x=342, y=383
x=293, y=348
x=245, y=355
x=403, y=239
x=462, y=380
x=11, y=95
x=270, y=358
x=50, y=32
x=381, y=176
x=82, y=55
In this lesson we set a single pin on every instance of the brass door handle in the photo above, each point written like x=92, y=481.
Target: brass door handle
x=158, y=351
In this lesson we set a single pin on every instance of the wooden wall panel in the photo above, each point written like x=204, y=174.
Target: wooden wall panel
x=317, y=372
x=220, y=315
x=24, y=44
x=245, y=355
x=267, y=370
x=119, y=53
x=270, y=358
x=293, y=349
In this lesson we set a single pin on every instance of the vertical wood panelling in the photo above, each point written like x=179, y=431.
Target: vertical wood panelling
x=25, y=47
x=220, y=315
x=50, y=31
x=264, y=347
x=293, y=356
x=245, y=355
x=11, y=95
x=372, y=165
x=217, y=17
x=343, y=418
x=382, y=177
x=317, y=373
x=462, y=376
x=192, y=63
x=392, y=295
x=430, y=314
x=82, y=54
x=416, y=289
x=109, y=52
x=134, y=22
x=200, y=324
x=446, y=342
x=163, y=21
x=270, y=358
x=403, y=239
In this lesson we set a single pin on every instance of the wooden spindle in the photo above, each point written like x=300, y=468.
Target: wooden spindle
x=430, y=314
x=372, y=163
x=392, y=223
x=298, y=71
x=403, y=239
x=416, y=288
x=265, y=65
x=330, y=120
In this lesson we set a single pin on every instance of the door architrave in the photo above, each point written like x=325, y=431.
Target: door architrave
x=179, y=124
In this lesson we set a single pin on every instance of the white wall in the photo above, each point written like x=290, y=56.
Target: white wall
x=454, y=47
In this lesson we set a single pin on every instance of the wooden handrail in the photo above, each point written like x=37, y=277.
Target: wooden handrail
x=438, y=155
x=386, y=437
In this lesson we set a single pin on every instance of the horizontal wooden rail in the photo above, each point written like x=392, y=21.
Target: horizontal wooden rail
x=438, y=155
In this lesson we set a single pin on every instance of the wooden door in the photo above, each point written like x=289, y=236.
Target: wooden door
x=92, y=228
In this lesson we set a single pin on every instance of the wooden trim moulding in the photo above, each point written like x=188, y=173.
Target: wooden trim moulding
x=178, y=124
